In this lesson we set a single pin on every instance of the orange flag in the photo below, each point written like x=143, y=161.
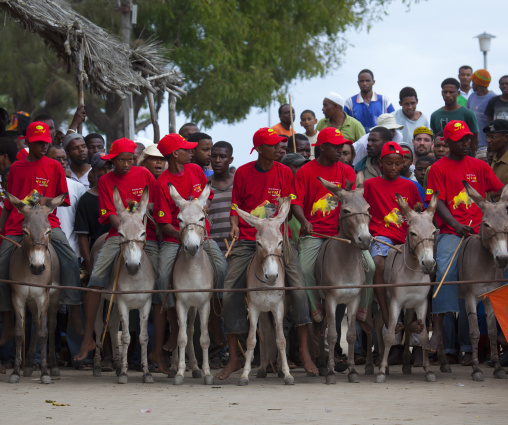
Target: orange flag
x=499, y=301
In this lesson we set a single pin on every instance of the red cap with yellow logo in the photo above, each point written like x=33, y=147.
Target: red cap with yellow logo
x=37, y=132
x=172, y=142
x=266, y=136
x=119, y=146
x=331, y=135
x=456, y=130
x=392, y=147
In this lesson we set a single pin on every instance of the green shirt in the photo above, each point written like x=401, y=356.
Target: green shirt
x=461, y=100
x=440, y=118
x=351, y=128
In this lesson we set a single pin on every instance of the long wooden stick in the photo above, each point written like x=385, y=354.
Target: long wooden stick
x=330, y=237
x=292, y=125
x=112, y=297
x=230, y=246
x=494, y=290
x=449, y=265
x=387, y=244
x=10, y=240
x=226, y=243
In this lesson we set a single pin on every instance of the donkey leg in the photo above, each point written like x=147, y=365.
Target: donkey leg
x=28, y=368
x=424, y=339
x=98, y=325
x=331, y=305
x=54, y=305
x=204, y=340
x=114, y=328
x=352, y=308
x=191, y=353
x=474, y=334
x=369, y=355
x=264, y=326
x=278, y=315
x=144, y=312
x=43, y=339
x=389, y=338
x=126, y=339
x=499, y=372
x=19, y=310
x=406, y=356
x=251, y=344
x=182, y=312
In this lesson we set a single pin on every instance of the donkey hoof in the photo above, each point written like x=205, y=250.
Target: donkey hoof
x=178, y=380
x=14, y=378
x=280, y=374
x=369, y=369
x=323, y=371
x=45, y=379
x=353, y=377
x=289, y=380
x=122, y=378
x=197, y=374
x=500, y=374
x=406, y=369
x=54, y=371
x=380, y=378
x=330, y=379
x=477, y=376
x=27, y=372
x=118, y=372
x=430, y=377
x=445, y=368
x=97, y=372
x=147, y=379
x=242, y=382
x=261, y=373
x=172, y=373
x=208, y=380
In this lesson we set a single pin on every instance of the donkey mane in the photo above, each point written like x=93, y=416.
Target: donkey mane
x=418, y=207
x=349, y=185
x=131, y=205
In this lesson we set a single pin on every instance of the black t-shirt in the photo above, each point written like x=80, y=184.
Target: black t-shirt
x=497, y=109
x=87, y=218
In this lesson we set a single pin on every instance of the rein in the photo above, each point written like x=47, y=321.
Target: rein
x=483, y=238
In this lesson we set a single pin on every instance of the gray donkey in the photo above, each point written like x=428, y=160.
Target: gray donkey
x=481, y=257
x=413, y=265
x=192, y=270
x=339, y=263
x=135, y=273
x=35, y=262
x=266, y=269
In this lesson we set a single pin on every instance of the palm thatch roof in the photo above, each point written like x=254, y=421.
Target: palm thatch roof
x=102, y=61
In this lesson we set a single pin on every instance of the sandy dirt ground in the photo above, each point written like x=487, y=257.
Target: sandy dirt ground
x=453, y=399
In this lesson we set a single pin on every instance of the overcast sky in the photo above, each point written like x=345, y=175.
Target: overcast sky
x=419, y=47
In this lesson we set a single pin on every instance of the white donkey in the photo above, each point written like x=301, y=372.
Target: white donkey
x=267, y=269
x=192, y=270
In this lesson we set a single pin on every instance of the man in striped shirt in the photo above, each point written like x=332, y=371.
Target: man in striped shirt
x=222, y=185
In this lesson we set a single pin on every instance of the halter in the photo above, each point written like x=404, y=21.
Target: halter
x=134, y=241
x=281, y=259
x=499, y=232
x=412, y=251
x=341, y=217
x=196, y=225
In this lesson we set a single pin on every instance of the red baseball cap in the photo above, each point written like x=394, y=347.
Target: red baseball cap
x=37, y=132
x=392, y=147
x=266, y=136
x=120, y=146
x=331, y=135
x=456, y=130
x=172, y=142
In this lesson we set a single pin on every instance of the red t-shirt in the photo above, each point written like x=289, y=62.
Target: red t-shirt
x=321, y=208
x=256, y=192
x=29, y=181
x=446, y=175
x=130, y=186
x=190, y=182
x=387, y=219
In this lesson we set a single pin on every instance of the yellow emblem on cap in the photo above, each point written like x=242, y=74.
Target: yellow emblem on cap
x=337, y=132
x=161, y=213
x=458, y=125
x=39, y=127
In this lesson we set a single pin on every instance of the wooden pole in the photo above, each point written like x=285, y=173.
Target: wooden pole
x=10, y=240
x=153, y=116
x=330, y=237
x=292, y=126
x=79, y=76
x=230, y=246
x=115, y=284
x=387, y=244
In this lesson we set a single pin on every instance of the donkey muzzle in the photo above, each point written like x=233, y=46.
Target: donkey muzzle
x=37, y=269
x=501, y=261
x=132, y=268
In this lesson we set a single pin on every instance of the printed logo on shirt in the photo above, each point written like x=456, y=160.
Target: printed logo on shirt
x=42, y=181
x=32, y=197
x=275, y=193
x=103, y=212
x=394, y=217
x=197, y=188
x=461, y=198
x=234, y=206
x=292, y=196
x=326, y=204
x=265, y=210
x=137, y=192
x=471, y=178
x=161, y=213
x=429, y=192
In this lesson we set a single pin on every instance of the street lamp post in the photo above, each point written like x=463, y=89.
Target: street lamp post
x=484, y=40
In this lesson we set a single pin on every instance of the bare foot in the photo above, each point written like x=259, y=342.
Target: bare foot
x=160, y=360
x=87, y=345
x=171, y=343
x=232, y=366
x=7, y=334
x=308, y=364
x=416, y=327
x=398, y=327
x=433, y=342
x=365, y=327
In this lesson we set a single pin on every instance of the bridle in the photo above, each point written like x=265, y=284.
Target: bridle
x=412, y=250
x=182, y=230
x=141, y=241
x=263, y=260
x=498, y=232
x=343, y=216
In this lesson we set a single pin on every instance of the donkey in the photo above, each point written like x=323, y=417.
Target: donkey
x=192, y=270
x=135, y=273
x=339, y=263
x=266, y=269
x=481, y=257
x=414, y=265
x=35, y=262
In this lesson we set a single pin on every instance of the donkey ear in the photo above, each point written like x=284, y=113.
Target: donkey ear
x=404, y=206
x=504, y=194
x=143, y=202
x=474, y=195
x=360, y=180
x=175, y=195
x=431, y=209
x=117, y=200
x=55, y=202
x=284, y=207
x=249, y=218
x=203, y=198
x=336, y=190
x=20, y=206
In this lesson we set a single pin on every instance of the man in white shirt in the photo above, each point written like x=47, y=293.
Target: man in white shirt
x=408, y=116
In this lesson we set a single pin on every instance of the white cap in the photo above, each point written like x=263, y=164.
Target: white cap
x=336, y=98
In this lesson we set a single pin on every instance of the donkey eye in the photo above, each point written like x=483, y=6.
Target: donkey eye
x=121, y=234
x=487, y=225
x=413, y=234
x=48, y=233
x=25, y=232
x=202, y=219
x=346, y=211
x=142, y=235
x=280, y=243
x=180, y=220
x=259, y=244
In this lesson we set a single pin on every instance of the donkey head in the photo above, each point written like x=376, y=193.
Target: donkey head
x=191, y=219
x=494, y=226
x=354, y=212
x=269, y=239
x=421, y=232
x=36, y=230
x=132, y=229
